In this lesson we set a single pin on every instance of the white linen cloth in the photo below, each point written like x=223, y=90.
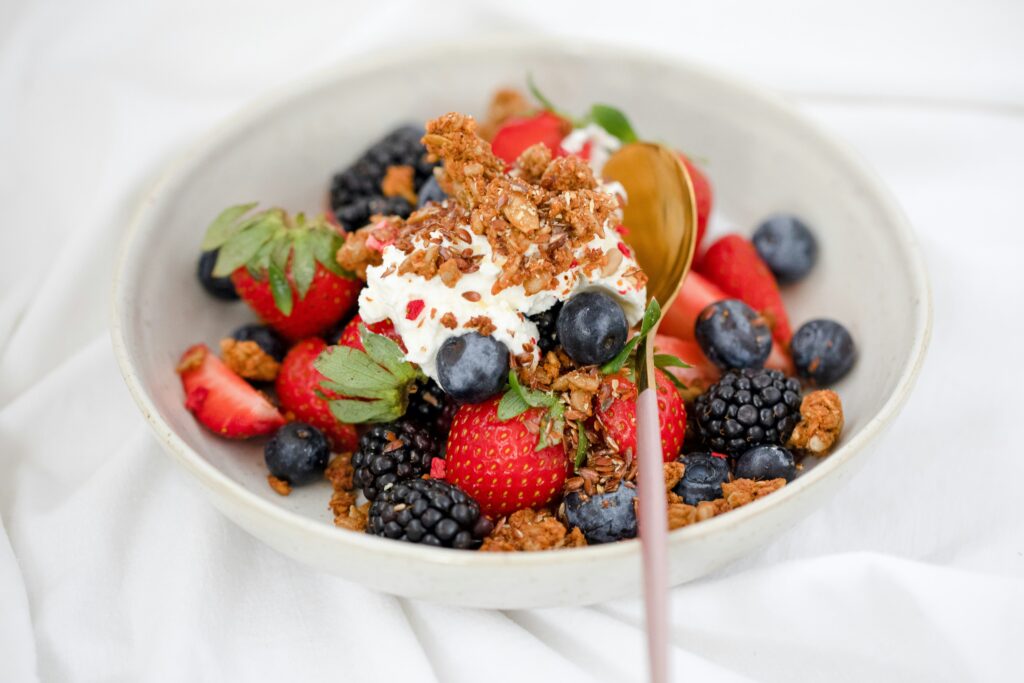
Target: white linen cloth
x=113, y=567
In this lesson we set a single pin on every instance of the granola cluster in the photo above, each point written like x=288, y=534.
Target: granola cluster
x=248, y=360
x=821, y=421
x=736, y=493
x=347, y=514
x=531, y=530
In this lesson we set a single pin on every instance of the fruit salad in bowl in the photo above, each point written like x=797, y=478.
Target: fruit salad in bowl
x=453, y=344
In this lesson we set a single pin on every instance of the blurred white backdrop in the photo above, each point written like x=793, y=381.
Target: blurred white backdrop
x=913, y=572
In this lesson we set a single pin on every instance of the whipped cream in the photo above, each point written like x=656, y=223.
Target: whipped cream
x=397, y=297
x=602, y=145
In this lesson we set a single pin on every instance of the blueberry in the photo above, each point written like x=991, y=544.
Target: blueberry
x=592, y=328
x=788, y=247
x=823, y=351
x=430, y=192
x=219, y=287
x=703, y=477
x=733, y=335
x=766, y=462
x=471, y=368
x=297, y=453
x=603, y=517
x=265, y=337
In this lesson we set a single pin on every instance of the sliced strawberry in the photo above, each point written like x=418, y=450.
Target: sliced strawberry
x=350, y=335
x=298, y=384
x=701, y=374
x=516, y=135
x=702, y=195
x=733, y=265
x=329, y=298
x=694, y=296
x=619, y=418
x=779, y=359
x=222, y=401
x=498, y=464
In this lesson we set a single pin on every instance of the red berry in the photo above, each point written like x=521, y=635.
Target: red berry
x=733, y=265
x=298, y=383
x=695, y=295
x=497, y=462
x=516, y=135
x=329, y=298
x=221, y=400
x=350, y=335
x=702, y=196
x=619, y=418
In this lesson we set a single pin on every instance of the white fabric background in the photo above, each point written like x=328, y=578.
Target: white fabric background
x=113, y=567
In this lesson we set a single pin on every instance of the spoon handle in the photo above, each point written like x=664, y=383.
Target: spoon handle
x=653, y=523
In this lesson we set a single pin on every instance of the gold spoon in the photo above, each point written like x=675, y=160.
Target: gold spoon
x=661, y=217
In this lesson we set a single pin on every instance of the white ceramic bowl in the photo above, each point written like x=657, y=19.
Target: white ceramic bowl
x=761, y=157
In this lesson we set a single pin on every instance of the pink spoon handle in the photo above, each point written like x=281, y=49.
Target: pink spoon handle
x=653, y=531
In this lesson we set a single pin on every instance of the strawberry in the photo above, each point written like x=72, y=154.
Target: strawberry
x=221, y=400
x=733, y=265
x=298, y=384
x=619, y=417
x=702, y=195
x=284, y=268
x=498, y=463
x=516, y=135
x=701, y=374
x=350, y=335
x=695, y=295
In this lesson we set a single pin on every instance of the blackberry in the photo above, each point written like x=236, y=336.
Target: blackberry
x=431, y=407
x=747, y=408
x=390, y=452
x=353, y=188
x=547, y=327
x=428, y=511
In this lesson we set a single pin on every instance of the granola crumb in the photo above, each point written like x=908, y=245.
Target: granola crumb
x=280, y=486
x=398, y=182
x=482, y=324
x=507, y=103
x=353, y=518
x=248, y=360
x=528, y=529
x=821, y=421
x=739, y=492
x=673, y=473
x=340, y=472
x=355, y=256
x=449, y=321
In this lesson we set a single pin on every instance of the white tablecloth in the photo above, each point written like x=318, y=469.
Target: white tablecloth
x=113, y=567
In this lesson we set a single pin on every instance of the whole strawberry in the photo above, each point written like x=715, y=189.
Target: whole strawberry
x=284, y=268
x=619, y=416
x=498, y=462
x=702, y=196
x=299, y=391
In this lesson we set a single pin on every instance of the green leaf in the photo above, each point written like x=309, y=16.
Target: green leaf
x=387, y=353
x=613, y=121
x=667, y=360
x=511, y=405
x=303, y=264
x=352, y=372
x=538, y=95
x=238, y=250
x=531, y=397
x=651, y=316
x=581, y=444
x=261, y=261
x=675, y=381
x=225, y=225
x=280, y=289
x=282, y=250
x=358, y=412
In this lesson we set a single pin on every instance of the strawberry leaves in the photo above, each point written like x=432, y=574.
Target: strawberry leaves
x=612, y=119
x=628, y=352
x=273, y=246
x=375, y=383
x=518, y=399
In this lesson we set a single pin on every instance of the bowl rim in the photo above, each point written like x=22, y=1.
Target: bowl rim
x=254, y=110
